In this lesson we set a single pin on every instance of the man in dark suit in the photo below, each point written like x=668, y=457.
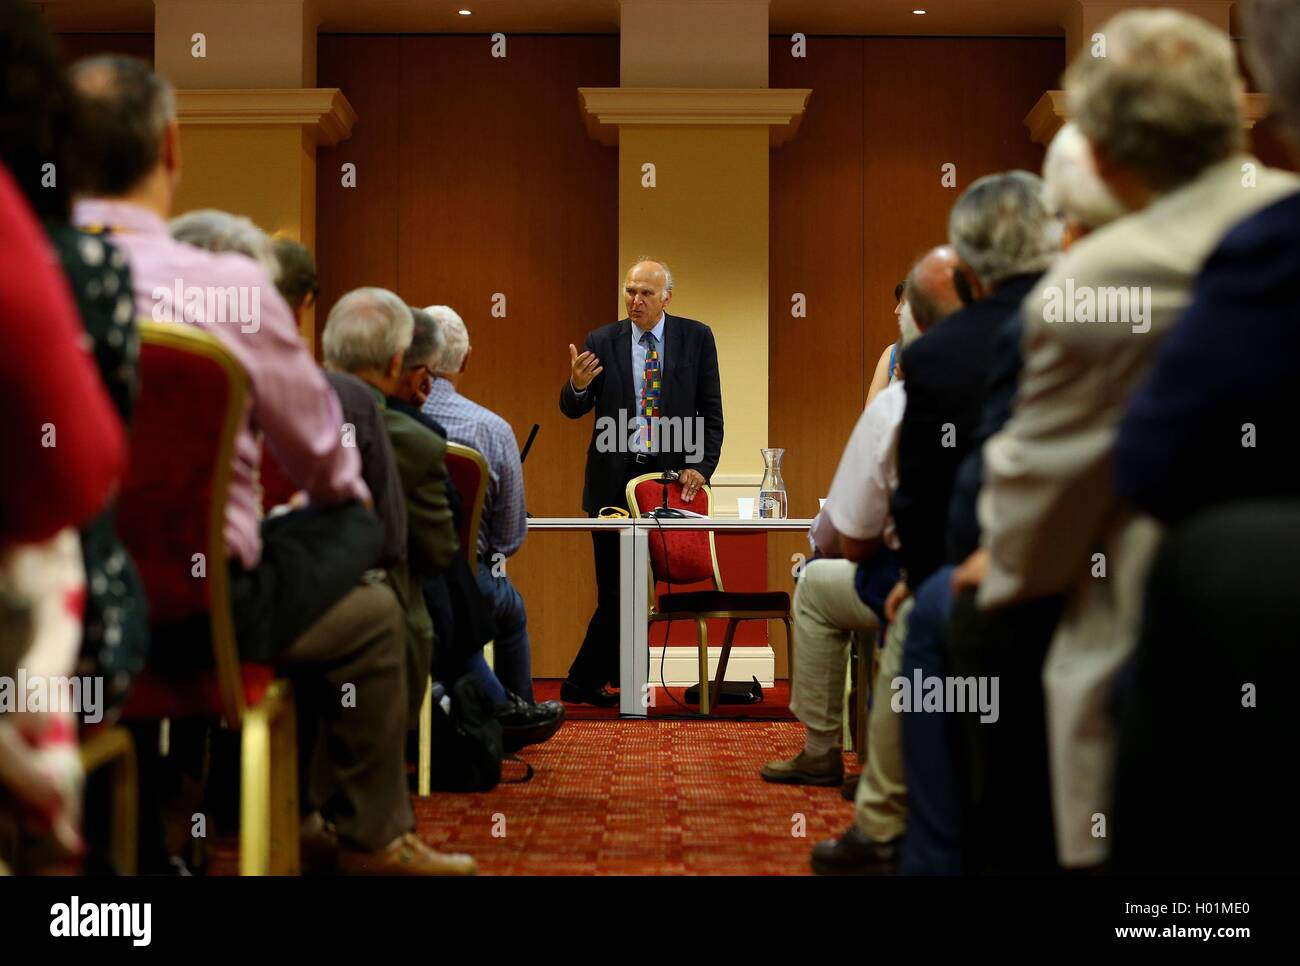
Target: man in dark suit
x=652, y=379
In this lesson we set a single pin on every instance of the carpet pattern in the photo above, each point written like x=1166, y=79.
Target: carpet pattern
x=644, y=798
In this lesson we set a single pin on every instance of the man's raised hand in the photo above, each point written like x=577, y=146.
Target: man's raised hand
x=583, y=368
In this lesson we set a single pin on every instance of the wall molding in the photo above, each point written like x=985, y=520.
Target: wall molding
x=682, y=665
x=1051, y=112
x=606, y=109
x=323, y=111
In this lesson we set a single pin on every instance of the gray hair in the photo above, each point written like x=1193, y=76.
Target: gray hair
x=126, y=108
x=1273, y=52
x=1072, y=188
x=365, y=329
x=427, y=341
x=668, y=273
x=1164, y=101
x=1001, y=227
x=455, y=337
x=220, y=231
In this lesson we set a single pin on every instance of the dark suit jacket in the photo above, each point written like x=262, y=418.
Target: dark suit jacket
x=378, y=464
x=431, y=538
x=691, y=388
x=945, y=372
x=1232, y=359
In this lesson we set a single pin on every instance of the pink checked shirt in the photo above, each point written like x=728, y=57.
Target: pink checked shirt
x=290, y=401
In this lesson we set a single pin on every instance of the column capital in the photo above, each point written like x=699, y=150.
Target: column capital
x=607, y=109
x=324, y=112
x=1052, y=111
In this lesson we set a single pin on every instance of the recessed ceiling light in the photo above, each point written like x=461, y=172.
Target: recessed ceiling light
x=919, y=13
x=465, y=13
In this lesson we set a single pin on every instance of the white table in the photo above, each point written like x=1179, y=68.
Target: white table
x=634, y=571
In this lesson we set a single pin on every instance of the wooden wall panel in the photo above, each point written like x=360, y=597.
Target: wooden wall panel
x=475, y=176
x=77, y=46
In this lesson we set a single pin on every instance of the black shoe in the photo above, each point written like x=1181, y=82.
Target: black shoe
x=855, y=853
x=524, y=724
x=571, y=692
x=849, y=790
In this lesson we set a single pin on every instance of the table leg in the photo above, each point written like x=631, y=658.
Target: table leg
x=634, y=566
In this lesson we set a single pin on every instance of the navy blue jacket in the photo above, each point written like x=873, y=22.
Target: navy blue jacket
x=945, y=372
x=1230, y=367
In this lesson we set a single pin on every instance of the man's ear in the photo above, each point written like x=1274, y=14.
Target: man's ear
x=395, y=364
x=668, y=298
x=464, y=362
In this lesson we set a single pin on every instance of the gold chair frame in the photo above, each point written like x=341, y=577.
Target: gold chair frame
x=268, y=759
x=112, y=747
x=709, y=695
x=424, y=754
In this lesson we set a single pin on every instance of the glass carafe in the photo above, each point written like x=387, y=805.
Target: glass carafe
x=771, y=492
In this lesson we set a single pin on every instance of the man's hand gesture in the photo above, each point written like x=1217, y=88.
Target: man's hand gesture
x=582, y=368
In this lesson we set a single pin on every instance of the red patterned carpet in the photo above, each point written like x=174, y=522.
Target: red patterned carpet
x=646, y=798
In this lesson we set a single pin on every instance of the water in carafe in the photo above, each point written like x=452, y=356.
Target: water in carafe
x=771, y=492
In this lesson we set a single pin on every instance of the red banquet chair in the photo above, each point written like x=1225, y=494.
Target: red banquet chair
x=692, y=558
x=469, y=474
x=171, y=516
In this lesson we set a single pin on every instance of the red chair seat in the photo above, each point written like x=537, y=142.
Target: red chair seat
x=192, y=694
x=702, y=601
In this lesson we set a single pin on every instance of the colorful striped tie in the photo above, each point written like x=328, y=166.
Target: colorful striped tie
x=651, y=384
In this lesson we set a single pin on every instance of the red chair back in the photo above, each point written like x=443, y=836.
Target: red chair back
x=690, y=556
x=172, y=509
x=469, y=474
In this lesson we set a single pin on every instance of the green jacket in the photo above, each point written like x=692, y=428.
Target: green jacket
x=431, y=538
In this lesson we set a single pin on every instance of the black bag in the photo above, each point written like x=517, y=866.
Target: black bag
x=467, y=746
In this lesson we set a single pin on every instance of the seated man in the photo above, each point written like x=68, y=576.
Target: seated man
x=294, y=579
x=829, y=603
x=366, y=335
x=505, y=522
x=522, y=721
x=1052, y=521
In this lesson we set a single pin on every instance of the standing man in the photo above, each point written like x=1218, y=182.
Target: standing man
x=652, y=379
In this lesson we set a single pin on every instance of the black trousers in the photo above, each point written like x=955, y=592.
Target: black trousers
x=1209, y=733
x=597, y=660
x=1007, y=801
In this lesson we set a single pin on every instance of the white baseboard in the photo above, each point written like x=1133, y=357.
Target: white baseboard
x=682, y=665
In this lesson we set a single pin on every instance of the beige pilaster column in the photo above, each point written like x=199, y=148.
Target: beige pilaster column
x=694, y=121
x=251, y=115
x=1082, y=23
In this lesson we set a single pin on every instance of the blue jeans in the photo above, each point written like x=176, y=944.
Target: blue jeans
x=932, y=843
x=512, y=654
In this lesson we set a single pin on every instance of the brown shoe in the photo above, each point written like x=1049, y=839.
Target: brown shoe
x=804, y=769
x=406, y=855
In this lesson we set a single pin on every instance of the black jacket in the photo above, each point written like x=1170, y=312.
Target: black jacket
x=691, y=389
x=945, y=372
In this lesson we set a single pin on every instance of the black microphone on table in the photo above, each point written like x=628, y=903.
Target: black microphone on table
x=666, y=512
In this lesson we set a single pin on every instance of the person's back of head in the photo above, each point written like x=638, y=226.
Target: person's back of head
x=367, y=334
x=128, y=133
x=1072, y=188
x=298, y=281
x=420, y=361
x=220, y=231
x=39, y=112
x=1163, y=104
x=1273, y=51
x=1001, y=228
x=930, y=292
x=455, y=338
